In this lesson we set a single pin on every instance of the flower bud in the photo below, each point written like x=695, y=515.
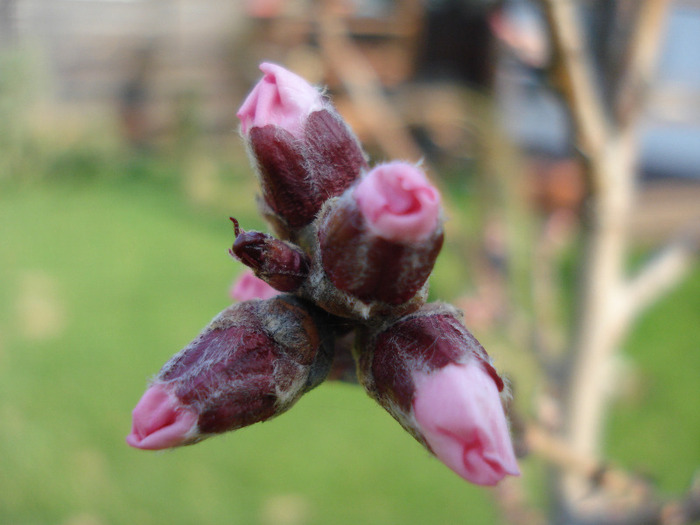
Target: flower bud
x=280, y=264
x=303, y=150
x=378, y=244
x=253, y=362
x=437, y=381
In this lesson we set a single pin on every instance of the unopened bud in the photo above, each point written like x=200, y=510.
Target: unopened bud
x=281, y=264
x=253, y=362
x=378, y=244
x=430, y=373
x=304, y=151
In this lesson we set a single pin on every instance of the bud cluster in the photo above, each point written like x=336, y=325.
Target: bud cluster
x=339, y=293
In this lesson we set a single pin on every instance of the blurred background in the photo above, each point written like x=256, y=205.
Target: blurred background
x=120, y=164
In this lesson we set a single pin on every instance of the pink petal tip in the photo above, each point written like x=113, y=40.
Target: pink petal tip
x=281, y=98
x=247, y=287
x=459, y=412
x=398, y=202
x=158, y=421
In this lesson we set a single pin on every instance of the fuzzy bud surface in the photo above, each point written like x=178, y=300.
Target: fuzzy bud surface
x=303, y=150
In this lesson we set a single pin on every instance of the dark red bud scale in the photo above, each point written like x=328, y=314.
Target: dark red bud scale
x=281, y=264
x=283, y=175
x=334, y=154
x=359, y=275
x=370, y=267
x=297, y=175
x=252, y=362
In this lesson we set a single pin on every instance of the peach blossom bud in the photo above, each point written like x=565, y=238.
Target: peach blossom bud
x=378, y=242
x=303, y=150
x=253, y=362
x=437, y=381
x=247, y=287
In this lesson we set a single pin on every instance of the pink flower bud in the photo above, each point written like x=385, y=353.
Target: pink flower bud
x=253, y=362
x=437, y=381
x=280, y=99
x=398, y=202
x=160, y=422
x=303, y=150
x=364, y=253
x=459, y=413
x=247, y=287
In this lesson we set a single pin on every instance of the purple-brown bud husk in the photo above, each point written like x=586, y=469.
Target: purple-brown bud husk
x=280, y=264
x=358, y=271
x=251, y=363
x=303, y=150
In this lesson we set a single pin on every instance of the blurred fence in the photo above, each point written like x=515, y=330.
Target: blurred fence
x=126, y=53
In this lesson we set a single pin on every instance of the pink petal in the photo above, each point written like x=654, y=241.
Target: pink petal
x=247, y=287
x=280, y=98
x=158, y=421
x=459, y=413
x=398, y=202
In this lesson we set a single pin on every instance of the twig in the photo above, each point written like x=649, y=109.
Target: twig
x=641, y=61
x=558, y=452
x=573, y=75
x=612, y=151
x=682, y=511
x=660, y=274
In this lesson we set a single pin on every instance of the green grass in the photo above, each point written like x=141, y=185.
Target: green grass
x=655, y=426
x=100, y=283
